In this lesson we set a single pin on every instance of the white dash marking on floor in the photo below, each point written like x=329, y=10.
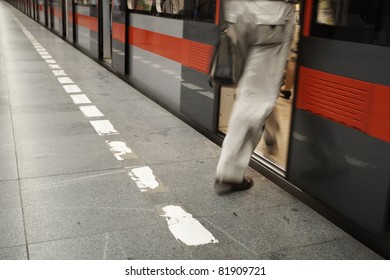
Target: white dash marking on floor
x=144, y=178
x=80, y=99
x=65, y=80
x=104, y=127
x=47, y=57
x=186, y=228
x=119, y=149
x=53, y=66
x=43, y=53
x=50, y=61
x=59, y=73
x=71, y=88
x=91, y=111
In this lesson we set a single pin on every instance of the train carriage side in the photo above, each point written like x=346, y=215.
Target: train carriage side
x=169, y=48
x=340, y=141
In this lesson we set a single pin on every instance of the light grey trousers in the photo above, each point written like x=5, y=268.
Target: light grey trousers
x=265, y=49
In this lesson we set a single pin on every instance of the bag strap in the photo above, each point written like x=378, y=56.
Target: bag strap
x=222, y=21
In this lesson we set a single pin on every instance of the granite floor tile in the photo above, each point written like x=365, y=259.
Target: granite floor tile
x=149, y=123
x=152, y=243
x=340, y=249
x=11, y=227
x=275, y=228
x=47, y=223
x=13, y=253
x=80, y=204
x=8, y=167
x=154, y=153
x=79, y=153
x=9, y=194
x=104, y=246
x=104, y=189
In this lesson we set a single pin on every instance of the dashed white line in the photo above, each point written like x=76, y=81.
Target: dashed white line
x=80, y=99
x=186, y=228
x=144, y=178
x=91, y=111
x=71, y=88
x=104, y=127
x=59, y=73
x=181, y=223
x=65, y=80
x=120, y=150
x=53, y=66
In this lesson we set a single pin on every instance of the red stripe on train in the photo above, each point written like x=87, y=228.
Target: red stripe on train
x=354, y=103
x=189, y=53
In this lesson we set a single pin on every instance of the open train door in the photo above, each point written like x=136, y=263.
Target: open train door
x=105, y=30
x=340, y=144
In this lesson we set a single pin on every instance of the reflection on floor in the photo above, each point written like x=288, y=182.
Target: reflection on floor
x=284, y=109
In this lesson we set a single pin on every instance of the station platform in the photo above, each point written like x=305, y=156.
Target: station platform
x=90, y=168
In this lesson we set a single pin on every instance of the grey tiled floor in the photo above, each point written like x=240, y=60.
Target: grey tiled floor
x=63, y=195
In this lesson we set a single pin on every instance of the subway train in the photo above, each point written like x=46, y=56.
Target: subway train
x=334, y=142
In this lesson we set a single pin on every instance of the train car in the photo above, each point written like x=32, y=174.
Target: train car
x=340, y=142
x=334, y=138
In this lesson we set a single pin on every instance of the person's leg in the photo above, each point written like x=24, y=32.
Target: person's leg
x=271, y=130
x=289, y=80
x=258, y=90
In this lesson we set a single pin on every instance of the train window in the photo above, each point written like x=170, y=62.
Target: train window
x=140, y=5
x=198, y=10
x=363, y=21
x=86, y=2
x=174, y=7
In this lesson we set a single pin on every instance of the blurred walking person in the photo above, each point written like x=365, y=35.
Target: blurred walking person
x=264, y=30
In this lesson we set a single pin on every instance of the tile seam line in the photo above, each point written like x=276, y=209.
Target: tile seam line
x=15, y=146
x=69, y=173
x=291, y=248
x=78, y=236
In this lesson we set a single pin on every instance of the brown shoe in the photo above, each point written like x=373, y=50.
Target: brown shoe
x=226, y=187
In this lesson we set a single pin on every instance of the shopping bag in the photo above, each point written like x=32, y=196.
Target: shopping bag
x=226, y=63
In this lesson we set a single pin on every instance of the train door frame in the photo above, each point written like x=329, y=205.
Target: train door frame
x=64, y=18
x=46, y=13
x=354, y=196
x=74, y=16
x=105, y=31
x=37, y=10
